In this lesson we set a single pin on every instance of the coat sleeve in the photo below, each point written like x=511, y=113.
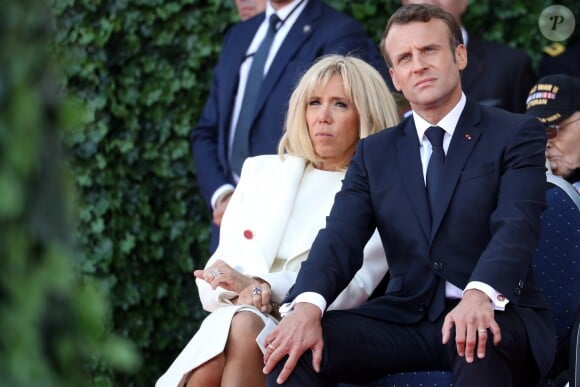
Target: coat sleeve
x=367, y=278
x=212, y=299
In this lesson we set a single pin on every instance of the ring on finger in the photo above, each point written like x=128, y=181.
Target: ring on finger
x=482, y=330
x=270, y=346
x=256, y=291
x=215, y=272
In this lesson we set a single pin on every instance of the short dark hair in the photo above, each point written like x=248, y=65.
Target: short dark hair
x=422, y=13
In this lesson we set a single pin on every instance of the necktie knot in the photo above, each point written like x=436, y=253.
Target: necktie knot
x=435, y=135
x=274, y=20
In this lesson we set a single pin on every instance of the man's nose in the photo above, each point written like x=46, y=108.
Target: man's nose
x=418, y=63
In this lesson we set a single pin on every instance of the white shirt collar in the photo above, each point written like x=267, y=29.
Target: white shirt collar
x=464, y=35
x=447, y=123
x=284, y=11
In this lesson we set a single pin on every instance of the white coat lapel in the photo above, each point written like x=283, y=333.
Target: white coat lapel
x=274, y=211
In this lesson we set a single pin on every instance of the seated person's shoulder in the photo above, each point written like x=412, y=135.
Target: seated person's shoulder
x=560, y=58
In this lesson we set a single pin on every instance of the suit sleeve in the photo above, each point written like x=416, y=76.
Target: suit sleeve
x=368, y=277
x=337, y=252
x=204, y=137
x=212, y=299
x=515, y=222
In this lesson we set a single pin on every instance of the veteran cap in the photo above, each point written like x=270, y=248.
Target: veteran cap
x=554, y=98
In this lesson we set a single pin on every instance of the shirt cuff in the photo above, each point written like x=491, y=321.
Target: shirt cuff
x=309, y=297
x=224, y=189
x=498, y=300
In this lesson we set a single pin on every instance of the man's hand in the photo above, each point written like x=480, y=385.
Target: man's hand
x=474, y=319
x=220, y=208
x=297, y=332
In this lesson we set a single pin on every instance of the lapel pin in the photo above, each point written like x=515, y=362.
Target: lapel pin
x=307, y=29
x=468, y=136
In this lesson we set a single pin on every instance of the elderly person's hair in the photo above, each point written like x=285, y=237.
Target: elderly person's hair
x=422, y=13
x=363, y=85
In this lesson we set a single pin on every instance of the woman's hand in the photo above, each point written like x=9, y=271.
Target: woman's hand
x=258, y=294
x=222, y=274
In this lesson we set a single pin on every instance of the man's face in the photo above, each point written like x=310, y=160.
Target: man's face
x=424, y=68
x=563, y=151
x=277, y=4
x=249, y=8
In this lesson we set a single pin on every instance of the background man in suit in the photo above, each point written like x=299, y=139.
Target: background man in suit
x=490, y=81
x=461, y=293
x=306, y=30
x=560, y=59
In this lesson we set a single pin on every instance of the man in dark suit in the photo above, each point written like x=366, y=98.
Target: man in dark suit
x=496, y=74
x=307, y=29
x=461, y=293
x=560, y=59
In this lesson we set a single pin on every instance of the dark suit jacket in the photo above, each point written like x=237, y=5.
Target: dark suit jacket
x=497, y=75
x=485, y=229
x=319, y=30
x=565, y=62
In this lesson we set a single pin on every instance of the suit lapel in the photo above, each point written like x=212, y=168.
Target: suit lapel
x=302, y=29
x=243, y=34
x=465, y=137
x=412, y=174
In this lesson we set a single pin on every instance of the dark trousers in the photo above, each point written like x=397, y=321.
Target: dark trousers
x=359, y=349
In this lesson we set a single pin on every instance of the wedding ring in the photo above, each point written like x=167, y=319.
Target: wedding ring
x=482, y=330
x=256, y=291
x=215, y=272
x=270, y=346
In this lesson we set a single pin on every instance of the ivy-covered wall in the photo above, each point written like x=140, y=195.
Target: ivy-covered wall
x=142, y=70
x=54, y=325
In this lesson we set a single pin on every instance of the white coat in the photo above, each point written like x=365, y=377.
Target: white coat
x=251, y=232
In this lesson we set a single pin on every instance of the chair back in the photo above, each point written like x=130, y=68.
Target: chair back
x=557, y=270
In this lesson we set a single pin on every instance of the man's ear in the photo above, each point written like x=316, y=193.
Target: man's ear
x=394, y=79
x=461, y=56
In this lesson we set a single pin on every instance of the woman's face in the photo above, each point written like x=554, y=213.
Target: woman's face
x=333, y=125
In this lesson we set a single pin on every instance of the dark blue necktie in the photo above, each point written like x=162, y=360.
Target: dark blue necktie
x=435, y=166
x=434, y=175
x=240, y=145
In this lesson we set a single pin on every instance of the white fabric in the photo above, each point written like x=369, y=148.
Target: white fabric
x=264, y=203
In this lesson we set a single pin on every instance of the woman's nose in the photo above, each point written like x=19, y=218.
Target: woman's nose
x=324, y=113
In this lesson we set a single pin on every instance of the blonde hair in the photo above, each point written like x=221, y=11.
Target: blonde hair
x=363, y=85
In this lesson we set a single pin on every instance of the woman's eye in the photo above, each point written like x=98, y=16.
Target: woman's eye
x=313, y=102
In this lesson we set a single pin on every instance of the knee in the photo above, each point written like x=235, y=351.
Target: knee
x=245, y=327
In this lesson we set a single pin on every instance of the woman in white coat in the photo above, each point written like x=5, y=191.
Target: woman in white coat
x=274, y=214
